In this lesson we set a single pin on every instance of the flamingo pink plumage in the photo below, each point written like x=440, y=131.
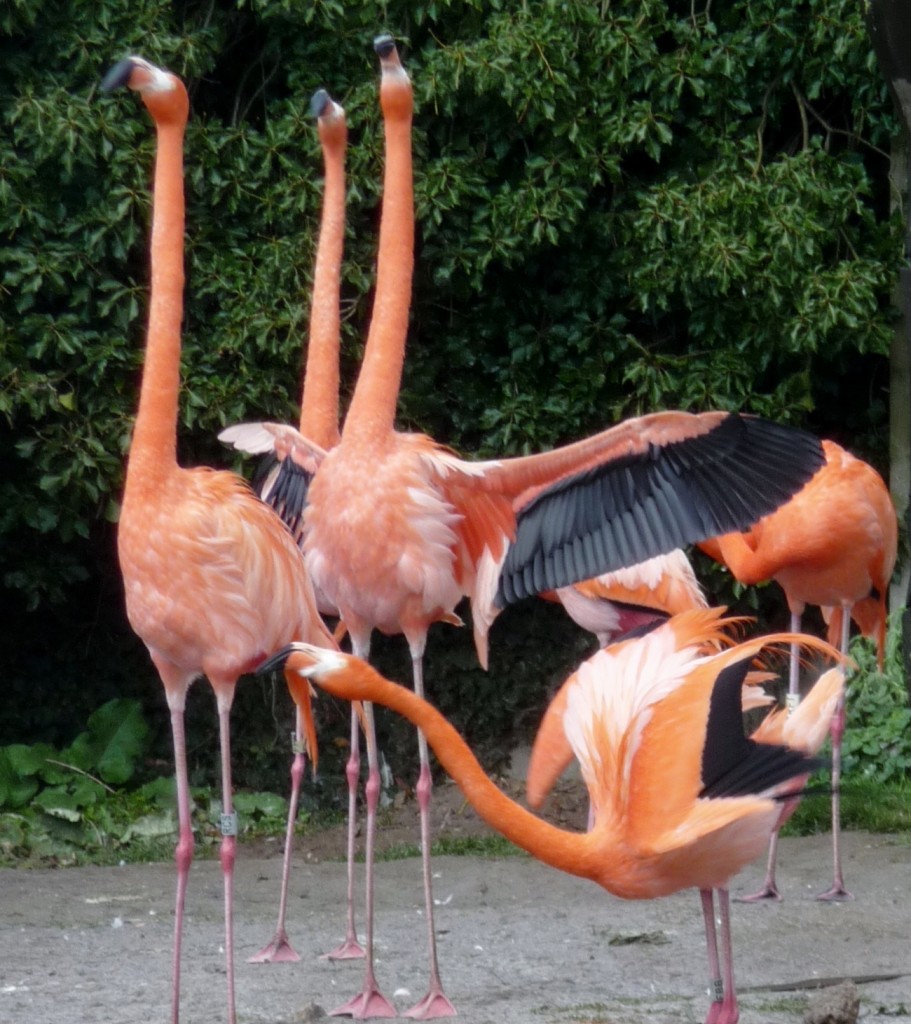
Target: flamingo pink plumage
x=398, y=528
x=681, y=797
x=213, y=580
x=834, y=545
x=285, y=484
x=613, y=603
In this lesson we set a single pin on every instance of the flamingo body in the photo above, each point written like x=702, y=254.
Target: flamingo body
x=211, y=576
x=680, y=796
x=833, y=545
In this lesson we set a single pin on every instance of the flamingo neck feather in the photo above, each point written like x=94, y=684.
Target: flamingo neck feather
x=154, y=445
x=567, y=851
x=373, y=404
x=319, y=404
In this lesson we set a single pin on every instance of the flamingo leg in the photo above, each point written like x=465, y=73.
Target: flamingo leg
x=279, y=949
x=716, y=985
x=769, y=889
x=229, y=838
x=369, y=1002
x=435, y=1002
x=350, y=948
x=837, y=892
x=183, y=853
x=794, y=665
x=730, y=1011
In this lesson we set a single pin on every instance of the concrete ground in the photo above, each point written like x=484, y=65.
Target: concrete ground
x=519, y=943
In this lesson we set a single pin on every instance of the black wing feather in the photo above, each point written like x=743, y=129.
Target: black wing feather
x=634, y=508
x=732, y=764
x=289, y=490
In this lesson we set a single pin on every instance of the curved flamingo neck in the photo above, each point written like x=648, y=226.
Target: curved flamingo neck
x=319, y=404
x=153, y=449
x=373, y=405
x=581, y=855
x=746, y=563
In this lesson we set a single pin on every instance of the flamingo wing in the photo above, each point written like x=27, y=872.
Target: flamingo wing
x=283, y=478
x=642, y=489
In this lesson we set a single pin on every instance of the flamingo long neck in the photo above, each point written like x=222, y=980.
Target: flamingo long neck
x=746, y=563
x=373, y=405
x=319, y=404
x=576, y=854
x=154, y=446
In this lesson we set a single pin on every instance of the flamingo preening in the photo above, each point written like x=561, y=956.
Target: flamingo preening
x=834, y=545
x=213, y=580
x=398, y=529
x=681, y=797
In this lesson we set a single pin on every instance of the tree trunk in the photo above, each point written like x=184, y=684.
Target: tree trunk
x=887, y=22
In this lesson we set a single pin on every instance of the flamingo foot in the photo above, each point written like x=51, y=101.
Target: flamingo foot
x=278, y=951
x=350, y=949
x=724, y=1012
x=767, y=894
x=837, y=894
x=714, y=1014
x=433, y=1005
x=369, y=1003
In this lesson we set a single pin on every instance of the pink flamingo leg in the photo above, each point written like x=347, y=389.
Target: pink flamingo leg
x=279, y=949
x=183, y=853
x=350, y=948
x=229, y=837
x=769, y=889
x=729, y=1012
x=838, y=892
x=369, y=1002
x=716, y=985
x=434, y=1003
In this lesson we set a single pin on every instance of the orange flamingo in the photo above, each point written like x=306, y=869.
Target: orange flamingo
x=833, y=545
x=286, y=480
x=681, y=797
x=398, y=528
x=613, y=603
x=213, y=580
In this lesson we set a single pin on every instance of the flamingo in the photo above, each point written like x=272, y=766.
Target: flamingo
x=834, y=545
x=682, y=798
x=398, y=528
x=212, y=578
x=284, y=484
x=612, y=604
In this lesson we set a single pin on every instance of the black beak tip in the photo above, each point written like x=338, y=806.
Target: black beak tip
x=118, y=76
x=275, y=661
x=319, y=101
x=383, y=45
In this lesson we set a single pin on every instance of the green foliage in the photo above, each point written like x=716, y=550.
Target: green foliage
x=877, y=740
x=876, y=748
x=621, y=207
x=56, y=806
x=73, y=778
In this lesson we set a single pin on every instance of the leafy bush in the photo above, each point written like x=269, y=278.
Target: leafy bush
x=620, y=207
x=877, y=739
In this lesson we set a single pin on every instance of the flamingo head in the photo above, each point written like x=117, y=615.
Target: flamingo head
x=395, y=85
x=330, y=117
x=305, y=660
x=163, y=93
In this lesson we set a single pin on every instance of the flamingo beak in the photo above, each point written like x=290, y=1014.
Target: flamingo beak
x=118, y=76
x=276, y=661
